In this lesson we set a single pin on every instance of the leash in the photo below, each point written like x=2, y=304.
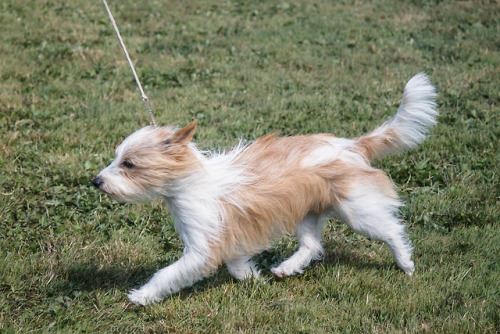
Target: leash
x=145, y=98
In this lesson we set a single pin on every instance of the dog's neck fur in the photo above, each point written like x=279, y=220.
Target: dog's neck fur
x=195, y=200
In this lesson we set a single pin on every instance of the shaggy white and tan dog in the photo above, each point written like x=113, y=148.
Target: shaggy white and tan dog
x=229, y=207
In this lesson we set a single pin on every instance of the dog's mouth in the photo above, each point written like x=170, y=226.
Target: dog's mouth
x=98, y=182
x=102, y=188
x=114, y=194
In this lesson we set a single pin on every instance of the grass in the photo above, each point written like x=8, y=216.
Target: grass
x=68, y=254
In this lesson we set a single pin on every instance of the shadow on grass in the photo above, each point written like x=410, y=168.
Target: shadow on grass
x=89, y=277
x=345, y=257
x=334, y=255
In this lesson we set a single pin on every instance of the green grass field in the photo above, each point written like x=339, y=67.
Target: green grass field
x=68, y=254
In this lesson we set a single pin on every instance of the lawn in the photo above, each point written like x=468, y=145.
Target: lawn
x=68, y=254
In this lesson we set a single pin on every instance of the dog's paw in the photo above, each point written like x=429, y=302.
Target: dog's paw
x=409, y=269
x=284, y=271
x=143, y=297
x=278, y=272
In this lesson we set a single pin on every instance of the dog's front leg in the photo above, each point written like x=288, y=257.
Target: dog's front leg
x=190, y=268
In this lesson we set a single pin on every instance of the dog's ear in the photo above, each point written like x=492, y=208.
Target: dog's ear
x=185, y=135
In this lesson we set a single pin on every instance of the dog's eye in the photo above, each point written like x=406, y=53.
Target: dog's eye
x=127, y=164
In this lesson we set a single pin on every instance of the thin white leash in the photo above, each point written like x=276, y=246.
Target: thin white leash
x=145, y=99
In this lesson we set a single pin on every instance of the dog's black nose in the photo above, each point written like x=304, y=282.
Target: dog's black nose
x=97, y=181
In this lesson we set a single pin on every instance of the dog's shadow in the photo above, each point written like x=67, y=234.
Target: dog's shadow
x=350, y=259
x=89, y=277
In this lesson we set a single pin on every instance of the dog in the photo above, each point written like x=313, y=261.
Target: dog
x=228, y=207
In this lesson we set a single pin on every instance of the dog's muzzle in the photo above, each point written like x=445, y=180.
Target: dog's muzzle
x=97, y=181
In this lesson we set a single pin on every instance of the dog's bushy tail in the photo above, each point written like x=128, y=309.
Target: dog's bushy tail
x=409, y=127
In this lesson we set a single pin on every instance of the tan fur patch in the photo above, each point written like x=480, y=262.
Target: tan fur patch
x=372, y=147
x=154, y=168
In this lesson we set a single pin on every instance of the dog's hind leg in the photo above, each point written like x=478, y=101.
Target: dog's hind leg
x=371, y=208
x=242, y=268
x=310, y=248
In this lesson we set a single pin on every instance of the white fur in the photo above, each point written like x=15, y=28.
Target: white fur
x=310, y=248
x=370, y=212
x=417, y=111
x=416, y=115
x=242, y=268
x=334, y=149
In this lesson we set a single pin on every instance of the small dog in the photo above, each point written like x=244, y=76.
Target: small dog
x=228, y=207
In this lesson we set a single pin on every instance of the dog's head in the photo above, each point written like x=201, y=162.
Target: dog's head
x=147, y=162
